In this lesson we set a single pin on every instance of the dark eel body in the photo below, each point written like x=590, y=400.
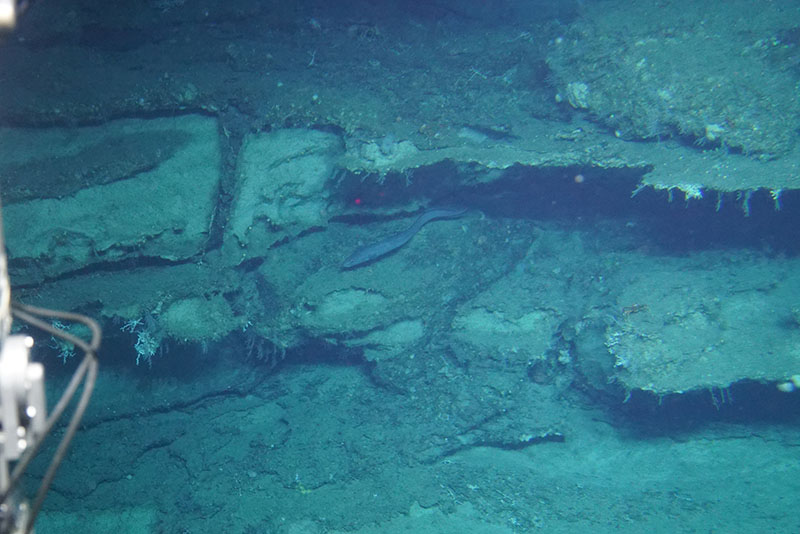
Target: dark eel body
x=368, y=253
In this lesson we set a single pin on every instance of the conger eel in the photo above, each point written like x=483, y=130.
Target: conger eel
x=368, y=253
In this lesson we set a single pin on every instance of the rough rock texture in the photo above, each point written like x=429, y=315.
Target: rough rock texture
x=372, y=308
x=706, y=325
x=471, y=381
x=504, y=323
x=160, y=205
x=650, y=72
x=240, y=222
x=281, y=185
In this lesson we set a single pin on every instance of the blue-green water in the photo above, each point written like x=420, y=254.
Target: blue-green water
x=607, y=340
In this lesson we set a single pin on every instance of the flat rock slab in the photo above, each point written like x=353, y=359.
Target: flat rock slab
x=128, y=188
x=666, y=165
x=707, y=324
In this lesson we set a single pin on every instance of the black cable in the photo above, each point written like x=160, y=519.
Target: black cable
x=63, y=446
x=87, y=368
x=30, y=315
